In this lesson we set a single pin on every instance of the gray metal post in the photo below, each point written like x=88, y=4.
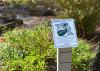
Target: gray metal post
x=64, y=59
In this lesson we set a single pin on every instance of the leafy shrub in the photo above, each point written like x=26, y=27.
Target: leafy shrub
x=82, y=56
x=27, y=50
x=84, y=12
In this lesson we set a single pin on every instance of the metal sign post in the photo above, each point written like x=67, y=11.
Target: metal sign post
x=65, y=37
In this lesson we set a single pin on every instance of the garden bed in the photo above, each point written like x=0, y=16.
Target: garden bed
x=24, y=50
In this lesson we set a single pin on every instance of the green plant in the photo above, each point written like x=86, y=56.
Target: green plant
x=84, y=12
x=27, y=50
x=82, y=56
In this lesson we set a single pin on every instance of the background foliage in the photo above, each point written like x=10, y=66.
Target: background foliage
x=27, y=50
x=84, y=11
x=82, y=56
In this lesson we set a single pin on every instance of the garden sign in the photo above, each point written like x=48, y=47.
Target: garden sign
x=64, y=33
x=65, y=37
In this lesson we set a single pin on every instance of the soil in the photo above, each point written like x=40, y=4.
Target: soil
x=34, y=21
x=51, y=64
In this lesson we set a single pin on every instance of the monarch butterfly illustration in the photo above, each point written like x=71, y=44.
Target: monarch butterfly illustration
x=64, y=28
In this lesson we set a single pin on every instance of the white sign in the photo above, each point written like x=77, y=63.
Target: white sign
x=64, y=33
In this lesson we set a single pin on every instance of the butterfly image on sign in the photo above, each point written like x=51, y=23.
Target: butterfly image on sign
x=64, y=33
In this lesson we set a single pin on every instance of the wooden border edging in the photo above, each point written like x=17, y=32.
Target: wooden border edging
x=10, y=26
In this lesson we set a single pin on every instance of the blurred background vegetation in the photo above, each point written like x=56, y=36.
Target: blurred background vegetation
x=84, y=12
